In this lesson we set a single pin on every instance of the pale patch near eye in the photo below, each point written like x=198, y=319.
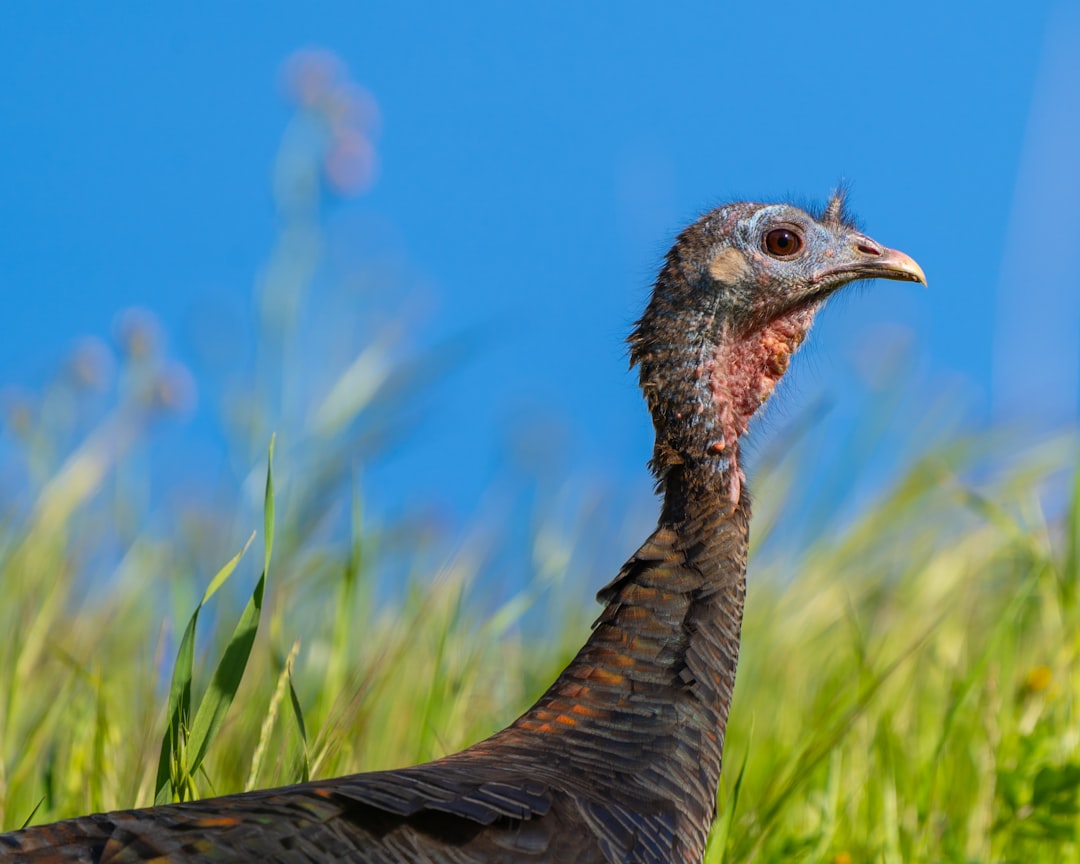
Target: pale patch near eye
x=729, y=266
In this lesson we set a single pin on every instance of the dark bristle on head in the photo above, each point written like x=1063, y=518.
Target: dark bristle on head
x=836, y=211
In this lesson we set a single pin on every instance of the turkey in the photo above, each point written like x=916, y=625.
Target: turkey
x=619, y=760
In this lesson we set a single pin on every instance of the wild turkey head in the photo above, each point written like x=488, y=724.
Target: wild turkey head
x=735, y=297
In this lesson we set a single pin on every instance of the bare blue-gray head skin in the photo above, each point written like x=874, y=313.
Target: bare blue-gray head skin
x=735, y=298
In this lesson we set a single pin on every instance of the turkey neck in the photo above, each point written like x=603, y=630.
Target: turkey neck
x=645, y=702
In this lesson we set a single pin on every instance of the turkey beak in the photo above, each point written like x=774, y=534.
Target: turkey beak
x=894, y=264
x=867, y=259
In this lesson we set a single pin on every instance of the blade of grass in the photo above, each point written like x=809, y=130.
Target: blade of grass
x=179, y=709
x=175, y=773
x=30, y=818
x=301, y=728
x=716, y=850
x=271, y=717
x=230, y=670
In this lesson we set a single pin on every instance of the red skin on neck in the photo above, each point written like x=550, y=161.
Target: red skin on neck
x=743, y=373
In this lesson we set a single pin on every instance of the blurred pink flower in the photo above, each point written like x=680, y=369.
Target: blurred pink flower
x=138, y=333
x=176, y=390
x=91, y=364
x=351, y=106
x=17, y=410
x=350, y=163
x=310, y=74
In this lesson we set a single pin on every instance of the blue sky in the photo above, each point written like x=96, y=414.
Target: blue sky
x=535, y=161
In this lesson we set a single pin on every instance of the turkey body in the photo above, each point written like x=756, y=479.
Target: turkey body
x=619, y=760
x=598, y=770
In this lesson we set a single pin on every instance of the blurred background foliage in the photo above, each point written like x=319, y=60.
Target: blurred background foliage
x=907, y=687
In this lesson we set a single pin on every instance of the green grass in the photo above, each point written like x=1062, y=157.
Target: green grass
x=906, y=689
x=909, y=694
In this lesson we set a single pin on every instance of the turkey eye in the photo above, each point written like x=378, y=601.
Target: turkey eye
x=782, y=242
